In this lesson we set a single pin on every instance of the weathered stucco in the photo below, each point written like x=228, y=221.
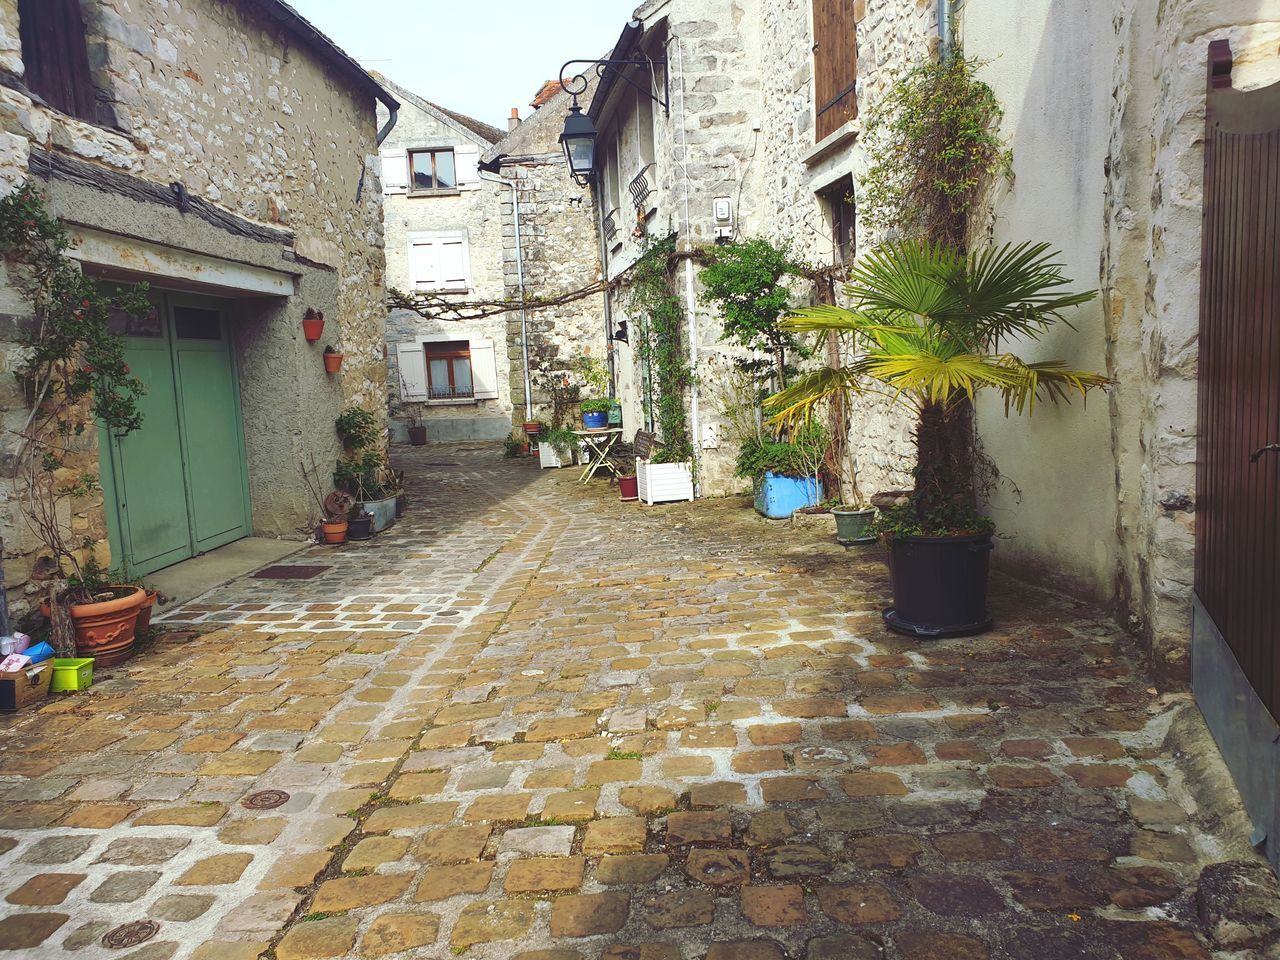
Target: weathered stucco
x=246, y=117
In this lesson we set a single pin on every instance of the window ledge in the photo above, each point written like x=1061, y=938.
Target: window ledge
x=453, y=402
x=830, y=144
x=451, y=192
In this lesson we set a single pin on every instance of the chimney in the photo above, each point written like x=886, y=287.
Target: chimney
x=514, y=120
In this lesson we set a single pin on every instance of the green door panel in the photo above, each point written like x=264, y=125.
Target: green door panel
x=155, y=527
x=180, y=482
x=210, y=412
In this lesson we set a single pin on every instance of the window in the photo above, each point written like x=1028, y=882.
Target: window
x=432, y=170
x=55, y=56
x=449, y=370
x=841, y=211
x=835, y=65
x=439, y=262
x=445, y=371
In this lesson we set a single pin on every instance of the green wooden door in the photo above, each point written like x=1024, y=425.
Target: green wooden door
x=179, y=483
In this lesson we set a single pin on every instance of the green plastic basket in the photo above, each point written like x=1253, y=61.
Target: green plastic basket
x=73, y=673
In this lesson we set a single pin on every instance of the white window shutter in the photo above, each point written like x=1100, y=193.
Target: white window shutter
x=455, y=272
x=466, y=157
x=424, y=264
x=412, y=361
x=484, y=369
x=395, y=171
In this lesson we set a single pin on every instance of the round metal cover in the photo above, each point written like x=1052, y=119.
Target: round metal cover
x=265, y=800
x=130, y=934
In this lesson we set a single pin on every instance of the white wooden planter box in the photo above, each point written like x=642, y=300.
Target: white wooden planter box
x=664, y=482
x=548, y=456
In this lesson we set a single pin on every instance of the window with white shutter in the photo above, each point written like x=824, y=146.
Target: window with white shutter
x=439, y=262
x=412, y=364
x=395, y=171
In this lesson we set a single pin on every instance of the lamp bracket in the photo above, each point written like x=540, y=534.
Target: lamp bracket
x=576, y=83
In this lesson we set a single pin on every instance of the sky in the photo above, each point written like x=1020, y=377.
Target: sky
x=479, y=57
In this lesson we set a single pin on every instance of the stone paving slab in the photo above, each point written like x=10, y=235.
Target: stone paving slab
x=532, y=722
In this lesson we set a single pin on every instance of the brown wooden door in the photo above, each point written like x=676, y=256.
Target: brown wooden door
x=1238, y=473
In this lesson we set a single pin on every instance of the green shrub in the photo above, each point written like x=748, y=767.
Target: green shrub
x=801, y=456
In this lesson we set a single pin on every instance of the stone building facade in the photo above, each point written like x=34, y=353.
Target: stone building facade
x=226, y=153
x=443, y=238
x=550, y=247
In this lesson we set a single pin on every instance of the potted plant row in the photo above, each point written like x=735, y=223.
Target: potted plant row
x=362, y=473
x=932, y=325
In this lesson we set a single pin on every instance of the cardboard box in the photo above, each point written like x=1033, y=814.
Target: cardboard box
x=22, y=687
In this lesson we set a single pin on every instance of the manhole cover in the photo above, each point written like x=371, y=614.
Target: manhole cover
x=130, y=934
x=265, y=800
x=282, y=571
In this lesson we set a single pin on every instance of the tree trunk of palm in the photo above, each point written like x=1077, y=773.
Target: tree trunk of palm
x=944, y=446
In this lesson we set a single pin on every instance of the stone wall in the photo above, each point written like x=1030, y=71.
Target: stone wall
x=559, y=252
x=236, y=109
x=474, y=211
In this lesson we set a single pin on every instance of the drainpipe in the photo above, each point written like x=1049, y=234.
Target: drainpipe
x=492, y=167
x=608, y=306
x=944, y=28
x=691, y=303
x=393, y=111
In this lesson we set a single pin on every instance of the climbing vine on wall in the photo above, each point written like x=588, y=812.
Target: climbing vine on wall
x=934, y=149
x=659, y=315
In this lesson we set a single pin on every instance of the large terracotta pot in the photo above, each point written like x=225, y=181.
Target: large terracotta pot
x=144, y=612
x=105, y=630
x=335, y=531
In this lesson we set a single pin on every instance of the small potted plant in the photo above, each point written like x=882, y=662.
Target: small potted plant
x=555, y=447
x=933, y=326
x=332, y=360
x=362, y=472
x=628, y=486
x=312, y=325
x=417, y=430
x=359, y=524
x=595, y=413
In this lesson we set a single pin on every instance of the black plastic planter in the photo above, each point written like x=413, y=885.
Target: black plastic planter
x=360, y=529
x=939, y=586
x=418, y=435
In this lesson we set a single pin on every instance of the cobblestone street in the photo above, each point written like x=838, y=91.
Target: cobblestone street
x=531, y=721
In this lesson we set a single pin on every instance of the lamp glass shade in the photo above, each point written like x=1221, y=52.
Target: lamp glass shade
x=579, y=141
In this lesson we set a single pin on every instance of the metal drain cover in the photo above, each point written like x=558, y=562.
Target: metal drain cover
x=130, y=934
x=265, y=800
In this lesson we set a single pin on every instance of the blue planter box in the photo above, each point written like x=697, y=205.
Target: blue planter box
x=778, y=497
x=595, y=421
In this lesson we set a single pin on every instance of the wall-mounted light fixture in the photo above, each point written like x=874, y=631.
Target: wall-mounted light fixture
x=579, y=137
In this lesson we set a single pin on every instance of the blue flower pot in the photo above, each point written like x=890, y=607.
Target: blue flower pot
x=595, y=421
x=778, y=497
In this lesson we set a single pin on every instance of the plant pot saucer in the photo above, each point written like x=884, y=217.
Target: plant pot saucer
x=925, y=631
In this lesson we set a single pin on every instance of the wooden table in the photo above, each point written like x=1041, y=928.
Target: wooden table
x=599, y=442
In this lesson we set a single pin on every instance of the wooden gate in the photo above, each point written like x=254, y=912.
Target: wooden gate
x=1237, y=577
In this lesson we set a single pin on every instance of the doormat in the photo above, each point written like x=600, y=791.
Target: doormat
x=282, y=571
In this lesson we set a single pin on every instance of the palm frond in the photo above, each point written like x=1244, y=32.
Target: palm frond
x=796, y=403
x=938, y=378
x=1044, y=380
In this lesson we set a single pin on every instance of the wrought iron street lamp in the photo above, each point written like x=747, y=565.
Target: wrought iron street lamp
x=579, y=137
x=579, y=142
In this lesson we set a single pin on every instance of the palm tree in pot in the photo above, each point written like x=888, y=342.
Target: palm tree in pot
x=931, y=328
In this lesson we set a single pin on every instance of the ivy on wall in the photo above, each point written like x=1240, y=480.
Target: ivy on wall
x=934, y=149
x=658, y=315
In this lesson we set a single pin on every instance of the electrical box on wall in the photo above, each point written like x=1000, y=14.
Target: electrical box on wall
x=722, y=213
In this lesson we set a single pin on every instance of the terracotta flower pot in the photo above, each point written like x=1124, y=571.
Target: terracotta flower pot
x=335, y=531
x=105, y=630
x=312, y=328
x=144, y=612
x=332, y=362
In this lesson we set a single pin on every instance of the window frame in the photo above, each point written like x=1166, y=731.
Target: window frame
x=840, y=201
x=415, y=191
x=461, y=350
